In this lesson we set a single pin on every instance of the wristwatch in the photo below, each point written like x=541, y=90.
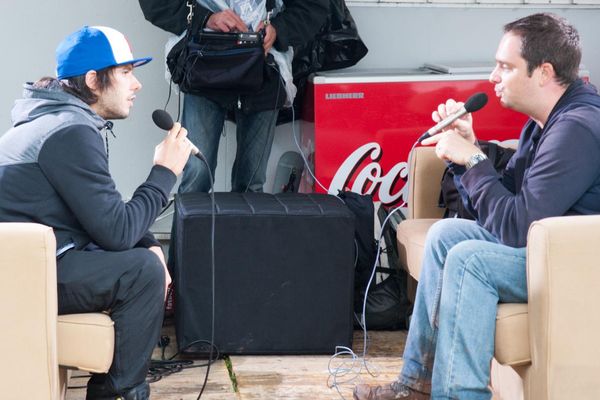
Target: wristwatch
x=475, y=159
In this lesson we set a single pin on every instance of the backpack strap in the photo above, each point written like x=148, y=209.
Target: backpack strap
x=492, y=151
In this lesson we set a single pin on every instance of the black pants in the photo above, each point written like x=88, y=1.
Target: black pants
x=130, y=286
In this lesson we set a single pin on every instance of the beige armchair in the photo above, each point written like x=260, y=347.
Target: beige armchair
x=546, y=349
x=38, y=346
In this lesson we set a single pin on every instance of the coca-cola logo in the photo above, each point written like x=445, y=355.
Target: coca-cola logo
x=390, y=187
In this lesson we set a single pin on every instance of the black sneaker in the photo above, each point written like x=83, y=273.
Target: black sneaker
x=99, y=391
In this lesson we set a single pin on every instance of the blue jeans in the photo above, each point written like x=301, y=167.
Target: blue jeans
x=466, y=273
x=204, y=120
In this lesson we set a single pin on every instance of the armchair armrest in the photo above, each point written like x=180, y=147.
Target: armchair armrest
x=29, y=311
x=424, y=177
x=425, y=172
x=563, y=273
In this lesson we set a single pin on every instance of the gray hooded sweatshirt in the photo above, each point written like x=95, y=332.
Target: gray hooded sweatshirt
x=54, y=171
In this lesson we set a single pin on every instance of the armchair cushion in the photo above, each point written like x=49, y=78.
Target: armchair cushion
x=410, y=236
x=512, y=335
x=86, y=341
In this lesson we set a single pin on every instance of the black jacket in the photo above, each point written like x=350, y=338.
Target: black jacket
x=296, y=25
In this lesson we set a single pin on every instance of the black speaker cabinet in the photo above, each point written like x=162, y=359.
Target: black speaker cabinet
x=283, y=279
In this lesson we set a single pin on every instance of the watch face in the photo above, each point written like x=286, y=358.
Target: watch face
x=475, y=159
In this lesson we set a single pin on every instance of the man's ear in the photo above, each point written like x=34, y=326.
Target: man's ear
x=91, y=80
x=547, y=73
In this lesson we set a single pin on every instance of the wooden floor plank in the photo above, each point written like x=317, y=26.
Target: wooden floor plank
x=308, y=377
x=274, y=377
x=183, y=385
x=186, y=384
x=299, y=377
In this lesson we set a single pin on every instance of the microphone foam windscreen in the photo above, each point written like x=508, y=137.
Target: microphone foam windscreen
x=162, y=119
x=475, y=102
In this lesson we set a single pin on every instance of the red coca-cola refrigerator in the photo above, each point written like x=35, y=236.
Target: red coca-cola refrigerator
x=358, y=127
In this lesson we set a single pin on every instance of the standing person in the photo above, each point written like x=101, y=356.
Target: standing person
x=293, y=23
x=54, y=171
x=471, y=266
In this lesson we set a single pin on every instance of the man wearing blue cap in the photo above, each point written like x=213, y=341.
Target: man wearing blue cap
x=54, y=171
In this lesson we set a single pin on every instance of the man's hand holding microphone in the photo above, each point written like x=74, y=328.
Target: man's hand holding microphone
x=174, y=151
x=456, y=140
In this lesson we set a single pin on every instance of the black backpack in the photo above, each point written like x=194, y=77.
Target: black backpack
x=450, y=198
x=364, y=238
x=387, y=305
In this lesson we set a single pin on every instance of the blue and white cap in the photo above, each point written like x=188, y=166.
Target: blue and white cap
x=93, y=48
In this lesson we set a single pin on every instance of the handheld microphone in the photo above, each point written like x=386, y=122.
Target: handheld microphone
x=163, y=120
x=474, y=103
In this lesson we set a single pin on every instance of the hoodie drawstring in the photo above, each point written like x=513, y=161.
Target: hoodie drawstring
x=108, y=128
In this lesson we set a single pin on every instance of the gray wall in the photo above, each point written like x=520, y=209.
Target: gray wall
x=397, y=36
x=411, y=36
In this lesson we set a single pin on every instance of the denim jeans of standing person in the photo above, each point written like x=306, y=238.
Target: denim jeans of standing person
x=466, y=273
x=204, y=120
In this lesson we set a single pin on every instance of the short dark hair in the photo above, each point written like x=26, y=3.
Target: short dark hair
x=76, y=85
x=548, y=38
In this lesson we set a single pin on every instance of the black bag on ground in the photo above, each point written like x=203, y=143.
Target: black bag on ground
x=364, y=238
x=450, y=198
x=388, y=306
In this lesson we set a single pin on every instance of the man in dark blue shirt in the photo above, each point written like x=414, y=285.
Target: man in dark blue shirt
x=470, y=266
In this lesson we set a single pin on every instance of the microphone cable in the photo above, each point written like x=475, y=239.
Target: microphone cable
x=212, y=266
x=346, y=373
x=306, y=163
x=359, y=362
x=161, y=368
x=164, y=121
